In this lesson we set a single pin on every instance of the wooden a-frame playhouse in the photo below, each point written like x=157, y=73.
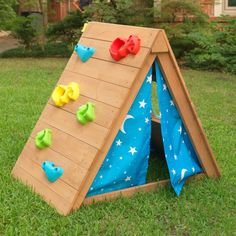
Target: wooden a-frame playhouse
x=112, y=87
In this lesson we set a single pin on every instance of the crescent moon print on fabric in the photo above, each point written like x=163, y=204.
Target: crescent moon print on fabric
x=122, y=129
x=183, y=171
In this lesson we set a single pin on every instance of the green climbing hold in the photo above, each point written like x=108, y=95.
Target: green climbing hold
x=86, y=113
x=43, y=138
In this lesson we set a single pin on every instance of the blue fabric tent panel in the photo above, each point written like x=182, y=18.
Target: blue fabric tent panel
x=180, y=155
x=126, y=163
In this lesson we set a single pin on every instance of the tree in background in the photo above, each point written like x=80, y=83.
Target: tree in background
x=7, y=13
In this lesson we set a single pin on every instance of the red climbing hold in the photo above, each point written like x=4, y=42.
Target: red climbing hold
x=120, y=48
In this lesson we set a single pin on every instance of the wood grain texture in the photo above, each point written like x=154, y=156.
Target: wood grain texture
x=61, y=205
x=59, y=187
x=98, y=90
x=73, y=173
x=72, y=148
x=187, y=111
x=112, y=87
x=109, y=32
x=102, y=52
x=128, y=192
x=105, y=114
x=68, y=123
x=115, y=128
x=160, y=44
x=110, y=72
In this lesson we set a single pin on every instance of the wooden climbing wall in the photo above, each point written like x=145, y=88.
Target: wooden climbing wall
x=112, y=87
x=80, y=150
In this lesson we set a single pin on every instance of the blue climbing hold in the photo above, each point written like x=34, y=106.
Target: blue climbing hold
x=84, y=52
x=52, y=172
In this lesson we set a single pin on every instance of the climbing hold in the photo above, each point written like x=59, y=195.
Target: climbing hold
x=133, y=44
x=43, y=138
x=52, y=172
x=84, y=27
x=83, y=52
x=73, y=91
x=120, y=48
x=60, y=95
x=86, y=113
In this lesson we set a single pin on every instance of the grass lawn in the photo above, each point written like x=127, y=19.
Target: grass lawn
x=205, y=207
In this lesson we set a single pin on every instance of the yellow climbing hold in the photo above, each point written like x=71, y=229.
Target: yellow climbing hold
x=73, y=91
x=62, y=94
x=84, y=27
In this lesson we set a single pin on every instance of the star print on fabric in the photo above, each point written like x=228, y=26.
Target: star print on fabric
x=164, y=87
x=170, y=147
x=149, y=79
x=118, y=142
x=146, y=120
x=160, y=115
x=175, y=157
x=193, y=169
x=128, y=178
x=172, y=103
x=101, y=176
x=173, y=172
x=132, y=150
x=180, y=130
x=142, y=104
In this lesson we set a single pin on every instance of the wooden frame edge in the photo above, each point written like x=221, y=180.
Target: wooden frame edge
x=204, y=151
x=128, y=192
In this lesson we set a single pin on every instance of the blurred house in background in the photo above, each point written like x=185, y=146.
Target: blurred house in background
x=215, y=8
x=57, y=10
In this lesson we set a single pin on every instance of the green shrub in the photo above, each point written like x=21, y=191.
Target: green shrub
x=170, y=10
x=128, y=12
x=67, y=30
x=23, y=30
x=214, y=49
x=7, y=14
x=50, y=50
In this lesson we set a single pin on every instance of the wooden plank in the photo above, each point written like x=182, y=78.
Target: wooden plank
x=187, y=111
x=102, y=52
x=109, y=32
x=62, y=206
x=109, y=140
x=128, y=192
x=103, y=70
x=67, y=123
x=79, y=152
x=73, y=173
x=35, y=171
x=98, y=90
x=105, y=114
x=160, y=43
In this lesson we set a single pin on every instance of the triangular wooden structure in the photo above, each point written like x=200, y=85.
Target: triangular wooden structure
x=112, y=86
